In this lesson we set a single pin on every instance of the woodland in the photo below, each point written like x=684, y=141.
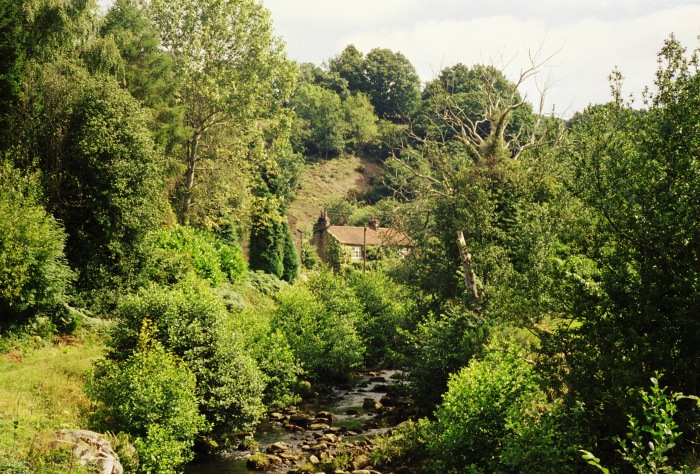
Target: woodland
x=152, y=289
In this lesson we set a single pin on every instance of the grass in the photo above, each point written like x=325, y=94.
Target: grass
x=41, y=391
x=324, y=180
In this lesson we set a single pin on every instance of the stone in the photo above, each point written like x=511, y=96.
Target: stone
x=368, y=403
x=322, y=446
x=289, y=457
x=89, y=448
x=314, y=460
x=294, y=428
x=377, y=379
x=318, y=427
x=276, y=448
x=361, y=461
x=352, y=412
x=326, y=416
x=262, y=462
x=300, y=419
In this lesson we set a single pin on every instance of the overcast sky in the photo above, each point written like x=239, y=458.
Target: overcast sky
x=587, y=37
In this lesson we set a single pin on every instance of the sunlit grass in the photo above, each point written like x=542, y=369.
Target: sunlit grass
x=41, y=390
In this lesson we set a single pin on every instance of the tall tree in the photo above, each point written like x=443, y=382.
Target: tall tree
x=233, y=72
x=101, y=175
x=319, y=125
x=350, y=67
x=361, y=122
x=392, y=83
x=636, y=293
x=148, y=70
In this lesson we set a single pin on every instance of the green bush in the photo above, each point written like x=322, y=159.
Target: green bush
x=34, y=275
x=544, y=436
x=385, y=306
x=184, y=249
x=472, y=423
x=275, y=358
x=152, y=396
x=319, y=321
x=438, y=347
x=191, y=321
x=290, y=259
x=648, y=442
x=309, y=256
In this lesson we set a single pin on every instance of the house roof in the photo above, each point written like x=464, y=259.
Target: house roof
x=349, y=235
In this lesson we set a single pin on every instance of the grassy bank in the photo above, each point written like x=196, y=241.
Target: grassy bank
x=41, y=390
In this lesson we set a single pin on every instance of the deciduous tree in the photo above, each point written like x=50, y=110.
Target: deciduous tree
x=234, y=75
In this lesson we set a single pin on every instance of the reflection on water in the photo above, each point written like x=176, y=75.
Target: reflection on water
x=221, y=466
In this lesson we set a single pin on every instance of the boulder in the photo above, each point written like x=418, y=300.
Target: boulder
x=368, y=403
x=262, y=462
x=319, y=427
x=276, y=448
x=326, y=417
x=89, y=448
x=300, y=419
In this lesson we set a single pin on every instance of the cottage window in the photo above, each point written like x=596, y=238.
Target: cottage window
x=356, y=253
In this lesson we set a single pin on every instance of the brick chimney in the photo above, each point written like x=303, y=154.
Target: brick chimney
x=373, y=223
x=323, y=222
x=320, y=237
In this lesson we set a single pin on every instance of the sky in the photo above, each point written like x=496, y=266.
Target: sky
x=583, y=39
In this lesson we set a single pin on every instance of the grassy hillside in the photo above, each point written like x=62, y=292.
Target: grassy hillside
x=41, y=390
x=325, y=180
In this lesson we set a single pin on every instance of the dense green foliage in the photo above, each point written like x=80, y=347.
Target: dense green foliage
x=182, y=250
x=151, y=395
x=34, y=275
x=147, y=153
x=319, y=321
x=191, y=323
x=486, y=419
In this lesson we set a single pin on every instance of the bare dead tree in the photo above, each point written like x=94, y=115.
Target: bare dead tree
x=484, y=135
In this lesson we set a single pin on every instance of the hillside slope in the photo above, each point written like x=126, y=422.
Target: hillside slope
x=325, y=180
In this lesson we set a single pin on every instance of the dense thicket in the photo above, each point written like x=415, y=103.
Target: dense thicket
x=556, y=262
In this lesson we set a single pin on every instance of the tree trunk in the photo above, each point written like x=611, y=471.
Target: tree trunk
x=189, y=178
x=466, y=258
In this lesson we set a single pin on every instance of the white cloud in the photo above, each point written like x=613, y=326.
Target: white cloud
x=592, y=37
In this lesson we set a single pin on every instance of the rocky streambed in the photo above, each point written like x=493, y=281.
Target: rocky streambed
x=332, y=432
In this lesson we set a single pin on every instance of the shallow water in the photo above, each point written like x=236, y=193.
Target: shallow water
x=233, y=462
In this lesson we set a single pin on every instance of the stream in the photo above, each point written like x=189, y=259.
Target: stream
x=351, y=408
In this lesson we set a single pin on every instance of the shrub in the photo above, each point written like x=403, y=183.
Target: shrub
x=191, y=323
x=309, y=256
x=319, y=320
x=34, y=275
x=275, y=358
x=473, y=420
x=648, y=441
x=337, y=254
x=152, y=396
x=384, y=305
x=290, y=259
x=185, y=249
x=440, y=346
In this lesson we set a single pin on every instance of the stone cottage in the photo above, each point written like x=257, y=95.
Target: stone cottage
x=356, y=239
